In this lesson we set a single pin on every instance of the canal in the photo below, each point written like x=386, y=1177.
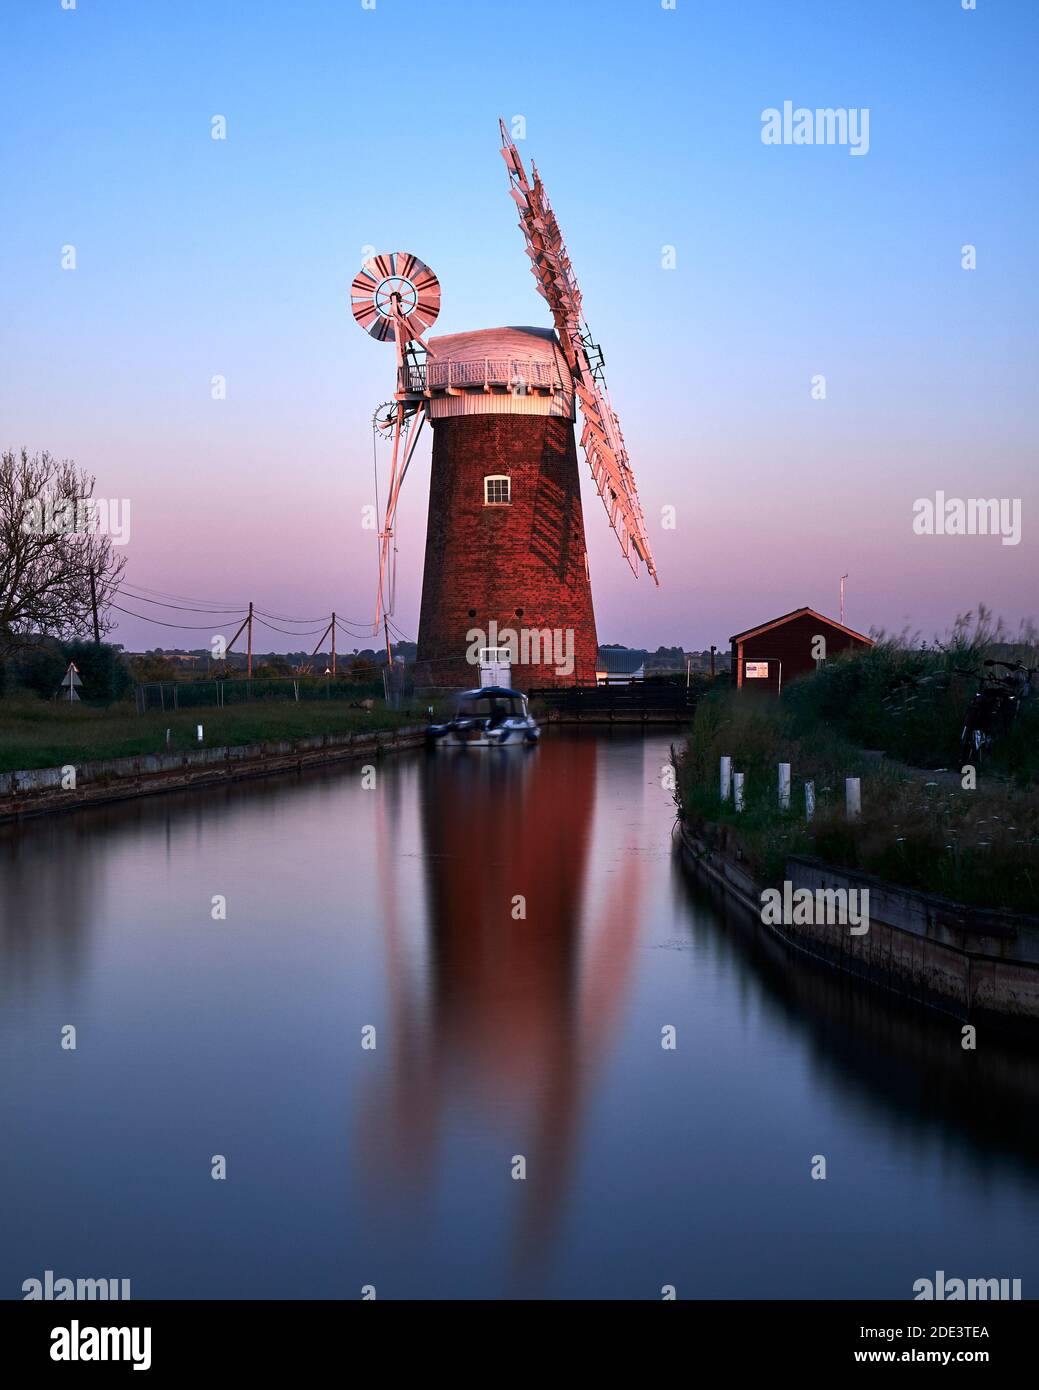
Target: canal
x=516, y=929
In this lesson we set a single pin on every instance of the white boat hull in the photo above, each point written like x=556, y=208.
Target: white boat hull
x=490, y=738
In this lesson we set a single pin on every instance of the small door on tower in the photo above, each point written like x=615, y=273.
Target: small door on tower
x=495, y=666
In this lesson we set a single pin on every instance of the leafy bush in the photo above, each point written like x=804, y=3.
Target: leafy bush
x=38, y=670
x=102, y=669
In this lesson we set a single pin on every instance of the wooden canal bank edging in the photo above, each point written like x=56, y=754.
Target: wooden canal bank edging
x=636, y=702
x=37, y=792
x=973, y=963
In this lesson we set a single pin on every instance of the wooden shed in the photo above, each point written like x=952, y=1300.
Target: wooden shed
x=767, y=657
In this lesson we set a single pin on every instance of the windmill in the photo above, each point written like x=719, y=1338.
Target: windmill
x=506, y=569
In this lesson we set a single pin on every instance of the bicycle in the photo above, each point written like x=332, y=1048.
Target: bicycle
x=993, y=707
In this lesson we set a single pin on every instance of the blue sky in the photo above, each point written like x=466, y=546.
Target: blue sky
x=350, y=127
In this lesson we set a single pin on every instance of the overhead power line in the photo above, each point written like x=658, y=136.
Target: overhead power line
x=289, y=632
x=183, y=598
x=181, y=608
x=139, y=593
x=281, y=618
x=157, y=622
x=299, y=627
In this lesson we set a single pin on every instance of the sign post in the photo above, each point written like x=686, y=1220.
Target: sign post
x=71, y=681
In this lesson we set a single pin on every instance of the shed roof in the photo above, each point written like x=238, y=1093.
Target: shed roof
x=800, y=613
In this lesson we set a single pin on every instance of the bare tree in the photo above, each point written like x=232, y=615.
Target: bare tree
x=51, y=552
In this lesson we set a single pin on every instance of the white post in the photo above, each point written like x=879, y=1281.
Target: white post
x=852, y=797
x=167, y=738
x=199, y=728
x=737, y=790
x=809, y=800
x=726, y=777
x=784, y=786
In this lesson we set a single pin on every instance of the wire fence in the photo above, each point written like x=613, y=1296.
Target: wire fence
x=217, y=693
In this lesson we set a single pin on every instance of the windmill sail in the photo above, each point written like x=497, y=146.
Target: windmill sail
x=601, y=437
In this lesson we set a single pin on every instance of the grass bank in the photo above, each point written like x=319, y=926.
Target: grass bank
x=979, y=847
x=37, y=734
x=910, y=698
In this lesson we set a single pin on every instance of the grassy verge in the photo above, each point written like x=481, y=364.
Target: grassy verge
x=979, y=847
x=910, y=698
x=36, y=733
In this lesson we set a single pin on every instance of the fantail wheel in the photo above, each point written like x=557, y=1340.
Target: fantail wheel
x=395, y=288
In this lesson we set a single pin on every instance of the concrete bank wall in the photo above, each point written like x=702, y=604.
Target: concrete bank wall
x=38, y=791
x=635, y=717
x=970, y=962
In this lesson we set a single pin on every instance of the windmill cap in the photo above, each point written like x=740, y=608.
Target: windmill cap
x=498, y=371
x=520, y=340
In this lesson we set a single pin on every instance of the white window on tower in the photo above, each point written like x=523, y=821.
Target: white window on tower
x=497, y=491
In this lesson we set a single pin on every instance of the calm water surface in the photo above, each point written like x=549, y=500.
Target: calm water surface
x=496, y=1037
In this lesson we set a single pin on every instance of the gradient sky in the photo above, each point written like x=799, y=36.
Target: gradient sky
x=350, y=127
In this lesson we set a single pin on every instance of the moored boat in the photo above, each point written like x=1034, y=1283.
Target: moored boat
x=491, y=717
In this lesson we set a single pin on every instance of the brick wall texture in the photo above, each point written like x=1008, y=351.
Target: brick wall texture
x=522, y=565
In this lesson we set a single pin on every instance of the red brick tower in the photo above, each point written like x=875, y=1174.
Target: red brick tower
x=505, y=547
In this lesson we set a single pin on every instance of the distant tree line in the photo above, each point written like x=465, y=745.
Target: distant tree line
x=168, y=664
x=674, y=658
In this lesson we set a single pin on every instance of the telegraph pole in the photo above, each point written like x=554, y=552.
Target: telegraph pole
x=386, y=630
x=333, y=641
x=249, y=657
